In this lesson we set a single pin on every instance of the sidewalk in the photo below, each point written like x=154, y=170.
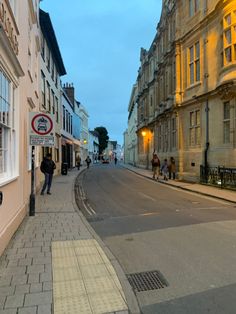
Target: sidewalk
x=211, y=191
x=55, y=263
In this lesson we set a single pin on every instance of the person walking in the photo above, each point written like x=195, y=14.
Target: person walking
x=115, y=160
x=164, y=170
x=172, y=168
x=88, y=161
x=155, y=166
x=47, y=167
x=78, y=161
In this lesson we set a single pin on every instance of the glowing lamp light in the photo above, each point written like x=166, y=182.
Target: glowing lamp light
x=85, y=141
x=144, y=133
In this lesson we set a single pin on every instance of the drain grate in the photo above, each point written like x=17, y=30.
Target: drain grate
x=145, y=281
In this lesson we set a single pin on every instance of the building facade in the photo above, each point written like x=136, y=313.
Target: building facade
x=130, y=140
x=52, y=68
x=186, y=87
x=93, y=146
x=19, y=94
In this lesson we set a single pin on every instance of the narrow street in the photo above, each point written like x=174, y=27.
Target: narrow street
x=148, y=226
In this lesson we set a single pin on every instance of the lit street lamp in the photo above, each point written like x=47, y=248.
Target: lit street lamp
x=144, y=133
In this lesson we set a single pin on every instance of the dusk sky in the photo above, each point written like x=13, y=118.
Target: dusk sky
x=100, y=43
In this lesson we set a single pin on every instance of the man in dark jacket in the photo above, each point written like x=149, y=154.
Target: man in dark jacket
x=47, y=167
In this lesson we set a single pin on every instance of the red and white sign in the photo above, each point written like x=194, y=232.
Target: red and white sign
x=41, y=129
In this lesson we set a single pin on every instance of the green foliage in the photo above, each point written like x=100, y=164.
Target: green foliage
x=102, y=137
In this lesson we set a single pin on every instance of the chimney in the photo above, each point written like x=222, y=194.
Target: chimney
x=70, y=92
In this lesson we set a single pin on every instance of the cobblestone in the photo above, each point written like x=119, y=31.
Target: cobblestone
x=28, y=310
x=14, y=301
x=40, y=298
x=36, y=287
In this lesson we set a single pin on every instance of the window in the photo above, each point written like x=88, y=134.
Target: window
x=193, y=7
x=226, y=122
x=8, y=146
x=64, y=118
x=195, y=131
x=53, y=72
x=48, y=58
x=13, y=6
x=53, y=102
x=42, y=46
x=48, y=98
x=229, y=38
x=194, y=63
x=43, y=96
x=56, y=109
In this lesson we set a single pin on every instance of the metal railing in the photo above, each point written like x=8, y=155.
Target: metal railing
x=218, y=176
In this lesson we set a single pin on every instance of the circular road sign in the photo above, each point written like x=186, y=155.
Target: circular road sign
x=42, y=124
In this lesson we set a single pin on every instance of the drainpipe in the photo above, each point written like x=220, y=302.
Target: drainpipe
x=207, y=141
x=206, y=88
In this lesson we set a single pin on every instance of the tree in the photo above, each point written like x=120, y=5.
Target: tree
x=102, y=137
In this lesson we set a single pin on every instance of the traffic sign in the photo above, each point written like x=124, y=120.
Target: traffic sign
x=41, y=130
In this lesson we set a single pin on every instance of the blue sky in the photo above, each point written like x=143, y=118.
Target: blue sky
x=100, y=43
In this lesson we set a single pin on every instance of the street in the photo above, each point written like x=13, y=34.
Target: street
x=188, y=238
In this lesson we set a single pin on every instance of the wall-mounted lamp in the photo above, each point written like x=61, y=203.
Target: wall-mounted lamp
x=85, y=141
x=143, y=133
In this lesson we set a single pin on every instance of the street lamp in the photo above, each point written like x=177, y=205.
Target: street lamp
x=144, y=133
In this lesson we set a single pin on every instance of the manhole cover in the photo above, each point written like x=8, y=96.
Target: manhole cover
x=150, y=280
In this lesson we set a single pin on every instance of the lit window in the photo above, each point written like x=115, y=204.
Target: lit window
x=229, y=38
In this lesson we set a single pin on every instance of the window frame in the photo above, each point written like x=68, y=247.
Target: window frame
x=194, y=63
x=195, y=128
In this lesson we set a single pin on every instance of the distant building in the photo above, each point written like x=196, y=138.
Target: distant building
x=131, y=139
x=93, y=146
x=84, y=135
x=67, y=140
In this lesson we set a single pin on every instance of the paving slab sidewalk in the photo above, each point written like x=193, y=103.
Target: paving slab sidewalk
x=55, y=263
x=223, y=194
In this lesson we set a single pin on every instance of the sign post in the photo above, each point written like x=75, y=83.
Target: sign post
x=32, y=194
x=41, y=133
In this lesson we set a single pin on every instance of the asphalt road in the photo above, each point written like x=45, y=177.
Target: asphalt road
x=190, y=239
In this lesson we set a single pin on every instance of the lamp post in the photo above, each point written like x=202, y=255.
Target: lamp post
x=144, y=133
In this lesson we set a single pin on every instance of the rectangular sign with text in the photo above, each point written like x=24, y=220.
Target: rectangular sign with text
x=41, y=129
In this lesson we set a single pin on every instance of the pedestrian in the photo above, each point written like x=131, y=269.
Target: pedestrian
x=115, y=160
x=172, y=168
x=164, y=170
x=47, y=167
x=78, y=161
x=155, y=166
x=88, y=161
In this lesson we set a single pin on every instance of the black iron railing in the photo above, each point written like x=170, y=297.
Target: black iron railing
x=219, y=176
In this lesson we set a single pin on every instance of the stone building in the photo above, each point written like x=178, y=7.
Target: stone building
x=187, y=87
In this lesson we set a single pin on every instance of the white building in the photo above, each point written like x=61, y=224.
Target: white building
x=130, y=139
x=93, y=146
x=52, y=67
x=84, y=137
